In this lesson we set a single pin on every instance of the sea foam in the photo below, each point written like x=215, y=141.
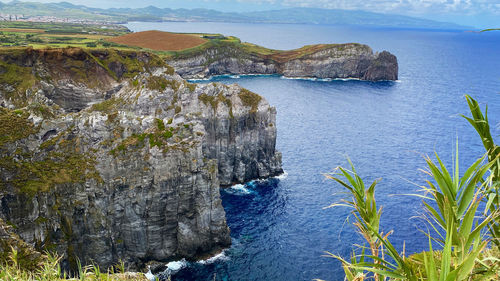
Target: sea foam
x=221, y=256
x=174, y=266
x=283, y=176
x=240, y=188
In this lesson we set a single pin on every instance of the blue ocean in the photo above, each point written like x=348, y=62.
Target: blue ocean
x=279, y=227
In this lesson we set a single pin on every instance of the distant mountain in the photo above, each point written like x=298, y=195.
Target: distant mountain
x=292, y=15
x=347, y=17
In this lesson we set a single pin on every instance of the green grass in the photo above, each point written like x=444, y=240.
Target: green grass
x=160, y=84
x=19, y=78
x=59, y=160
x=214, y=101
x=250, y=99
x=49, y=269
x=108, y=106
x=41, y=35
x=16, y=79
x=15, y=126
x=162, y=136
x=62, y=36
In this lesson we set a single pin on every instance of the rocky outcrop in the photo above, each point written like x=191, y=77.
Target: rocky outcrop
x=316, y=61
x=14, y=250
x=110, y=155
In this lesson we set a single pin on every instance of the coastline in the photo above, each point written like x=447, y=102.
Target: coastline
x=315, y=79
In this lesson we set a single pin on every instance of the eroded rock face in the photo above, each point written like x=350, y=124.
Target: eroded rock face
x=325, y=61
x=129, y=170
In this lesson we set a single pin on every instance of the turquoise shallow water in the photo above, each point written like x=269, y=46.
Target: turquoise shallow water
x=279, y=227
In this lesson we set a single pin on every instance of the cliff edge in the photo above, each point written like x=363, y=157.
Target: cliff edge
x=228, y=56
x=109, y=155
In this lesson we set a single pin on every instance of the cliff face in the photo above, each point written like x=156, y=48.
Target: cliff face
x=108, y=155
x=317, y=61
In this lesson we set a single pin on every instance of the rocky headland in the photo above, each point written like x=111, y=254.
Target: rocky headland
x=110, y=155
x=228, y=56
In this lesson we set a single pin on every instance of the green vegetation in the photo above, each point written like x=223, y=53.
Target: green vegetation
x=59, y=161
x=108, y=106
x=191, y=86
x=250, y=99
x=214, y=102
x=15, y=126
x=12, y=246
x=451, y=205
x=42, y=110
x=159, y=83
x=17, y=79
x=234, y=47
x=49, y=269
x=161, y=136
x=57, y=35
x=491, y=193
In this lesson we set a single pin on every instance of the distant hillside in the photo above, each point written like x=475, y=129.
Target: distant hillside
x=59, y=10
x=151, y=13
x=347, y=17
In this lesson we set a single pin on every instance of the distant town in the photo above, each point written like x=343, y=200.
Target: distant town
x=51, y=19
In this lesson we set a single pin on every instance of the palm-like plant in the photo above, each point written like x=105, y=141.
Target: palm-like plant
x=492, y=195
x=367, y=223
x=481, y=124
x=457, y=199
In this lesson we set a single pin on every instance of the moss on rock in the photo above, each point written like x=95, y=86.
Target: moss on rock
x=214, y=102
x=60, y=161
x=15, y=126
x=15, y=252
x=159, y=83
x=250, y=99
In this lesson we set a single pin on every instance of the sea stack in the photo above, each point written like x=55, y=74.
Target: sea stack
x=325, y=61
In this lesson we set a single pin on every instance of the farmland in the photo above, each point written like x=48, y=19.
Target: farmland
x=165, y=44
x=41, y=35
x=160, y=41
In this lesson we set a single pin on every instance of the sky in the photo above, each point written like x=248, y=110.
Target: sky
x=479, y=13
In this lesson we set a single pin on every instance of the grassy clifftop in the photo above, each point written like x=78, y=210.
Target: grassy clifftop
x=219, y=42
x=165, y=44
x=21, y=70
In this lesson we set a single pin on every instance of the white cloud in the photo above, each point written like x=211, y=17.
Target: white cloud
x=404, y=6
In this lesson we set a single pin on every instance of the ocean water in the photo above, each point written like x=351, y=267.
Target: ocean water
x=279, y=227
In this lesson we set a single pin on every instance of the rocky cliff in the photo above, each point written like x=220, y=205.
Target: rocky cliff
x=315, y=61
x=110, y=155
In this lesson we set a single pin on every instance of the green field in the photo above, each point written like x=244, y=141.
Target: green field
x=62, y=35
x=42, y=35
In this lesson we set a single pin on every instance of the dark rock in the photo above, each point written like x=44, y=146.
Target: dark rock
x=118, y=68
x=384, y=67
x=134, y=177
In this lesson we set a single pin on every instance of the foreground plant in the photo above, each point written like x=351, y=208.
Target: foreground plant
x=492, y=197
x=367, y=223
x=50, y=270
x=453, y=221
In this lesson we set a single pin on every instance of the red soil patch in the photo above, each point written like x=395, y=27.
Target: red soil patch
x=159, y=40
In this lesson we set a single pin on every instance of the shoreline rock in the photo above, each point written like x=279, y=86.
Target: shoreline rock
x=316, y=61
